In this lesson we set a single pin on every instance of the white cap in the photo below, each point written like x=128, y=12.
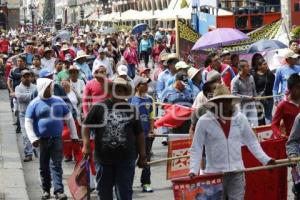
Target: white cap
x=290, y=54
x=122, y=70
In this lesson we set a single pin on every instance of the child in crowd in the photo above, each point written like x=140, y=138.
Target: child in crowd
x=144, y=103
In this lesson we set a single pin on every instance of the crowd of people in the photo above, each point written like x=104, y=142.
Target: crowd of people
x=104, y=89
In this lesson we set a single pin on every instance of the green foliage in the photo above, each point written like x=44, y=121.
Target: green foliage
x=49, y=11
x=296, y=33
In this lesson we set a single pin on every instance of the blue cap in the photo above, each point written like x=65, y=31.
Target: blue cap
x=44, y=73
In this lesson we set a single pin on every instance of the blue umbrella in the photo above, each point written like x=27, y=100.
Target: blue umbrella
x=139, y=28
x=266, y=45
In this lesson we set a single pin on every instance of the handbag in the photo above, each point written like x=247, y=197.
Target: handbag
x=79, y=181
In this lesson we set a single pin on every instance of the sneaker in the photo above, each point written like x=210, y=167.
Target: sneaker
x=61, y=196
x=147, y=188
x=27, y=159
x=46, y=195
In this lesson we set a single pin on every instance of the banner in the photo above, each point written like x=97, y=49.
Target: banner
x=261, y=184
x=200, y=188
x=187, y=37
x=178, y=147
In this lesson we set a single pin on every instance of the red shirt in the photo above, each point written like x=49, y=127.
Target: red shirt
x=226, y=72
x=225, y=124
x=286, y=111
x=94, y=92
x=4, y=45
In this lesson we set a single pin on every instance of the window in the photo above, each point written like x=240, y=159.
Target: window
x=297, y=7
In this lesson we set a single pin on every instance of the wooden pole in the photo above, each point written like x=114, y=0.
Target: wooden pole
x=177, y=36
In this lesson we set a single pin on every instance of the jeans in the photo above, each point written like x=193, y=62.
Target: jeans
x=27, y=146
x=268, y=108
x=146, y=172
x=131, y=70
x=120, y=175
x=145, y=56
x=234, y=186
x=51, y=156
x=249, y=110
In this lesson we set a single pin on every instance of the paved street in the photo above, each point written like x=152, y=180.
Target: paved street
x=13, y=171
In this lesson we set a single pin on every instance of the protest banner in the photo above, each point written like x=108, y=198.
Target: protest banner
x=259, y=184
x=178, y=147
x=202, y=187
x=186, y=38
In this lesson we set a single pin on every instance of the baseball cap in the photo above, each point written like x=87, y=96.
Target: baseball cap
x=213, y=76
x=73, y=67
x=144, y=69
x=122, y=70
x=25, y=71
x=181, y=65
x=138, y=80
x=44, y=73
x=290, y=54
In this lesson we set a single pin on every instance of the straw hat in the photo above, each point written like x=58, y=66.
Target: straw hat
x=47, y=49
x=80, y=54
x=221, y=92
x=170, y=57
x=192, y=72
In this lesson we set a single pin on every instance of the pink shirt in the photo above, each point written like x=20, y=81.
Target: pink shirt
x=94, y=92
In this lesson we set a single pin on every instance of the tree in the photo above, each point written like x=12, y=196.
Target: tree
x=184, y=4
x=49, y=11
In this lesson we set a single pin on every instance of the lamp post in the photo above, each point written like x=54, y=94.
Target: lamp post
x=32, y=7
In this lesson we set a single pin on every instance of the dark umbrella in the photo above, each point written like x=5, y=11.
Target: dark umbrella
x=266, y=45
x=139, y=28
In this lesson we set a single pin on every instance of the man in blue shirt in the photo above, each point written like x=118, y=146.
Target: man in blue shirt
x=283, y=73
x=44, y=124
x=80, y=61
x=179, y=93
x=167, y=74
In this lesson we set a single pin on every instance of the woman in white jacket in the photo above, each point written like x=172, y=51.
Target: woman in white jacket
x=223, y=131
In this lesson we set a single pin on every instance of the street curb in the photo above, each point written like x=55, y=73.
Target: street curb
x=12, y=180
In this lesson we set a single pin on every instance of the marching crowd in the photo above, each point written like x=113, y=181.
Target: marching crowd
x=103, y=89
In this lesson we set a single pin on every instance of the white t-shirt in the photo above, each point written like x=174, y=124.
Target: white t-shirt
x=73, y=98
x=200, y=100
x=78, y=86
x=48, y=64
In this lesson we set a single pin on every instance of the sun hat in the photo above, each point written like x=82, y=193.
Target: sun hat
x=290, y=54
x=123, y=83
x=222, y=92
x=170, y=56
x=47, y=49
x=122, y=70
x=140, y=80
x=181, y=65
x=80, y=54
x=65, y=47
x=213, y=76
x=192, y=72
